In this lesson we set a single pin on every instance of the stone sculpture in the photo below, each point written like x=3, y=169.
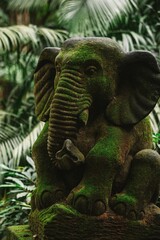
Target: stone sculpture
x=95, y=151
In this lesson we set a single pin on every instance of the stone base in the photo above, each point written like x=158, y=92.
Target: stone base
x=20, y=232
x=61, y=222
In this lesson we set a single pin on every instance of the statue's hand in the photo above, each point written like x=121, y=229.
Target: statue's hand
x=68, y=156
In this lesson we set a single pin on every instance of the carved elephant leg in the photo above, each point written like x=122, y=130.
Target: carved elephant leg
x=141, y=187
x=102, y=163
x=50, y=188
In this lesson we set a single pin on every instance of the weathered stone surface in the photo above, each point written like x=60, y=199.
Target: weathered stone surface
x=95, y=150
x=61, y=222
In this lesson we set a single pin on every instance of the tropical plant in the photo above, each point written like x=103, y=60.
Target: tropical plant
x=15, y=205
x=16, y=37
x=17, y=108
x=128, y=21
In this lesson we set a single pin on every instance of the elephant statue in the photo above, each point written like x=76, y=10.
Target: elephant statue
x=95, y=151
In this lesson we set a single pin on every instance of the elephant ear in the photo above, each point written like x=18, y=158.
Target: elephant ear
x=44, y=82
x=138, y=89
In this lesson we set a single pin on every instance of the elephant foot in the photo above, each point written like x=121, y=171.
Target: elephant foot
x=45, y=196
x=127, y=205
x=152, y=213
x=88, y=200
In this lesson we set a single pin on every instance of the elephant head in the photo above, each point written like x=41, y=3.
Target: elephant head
x=88, y=77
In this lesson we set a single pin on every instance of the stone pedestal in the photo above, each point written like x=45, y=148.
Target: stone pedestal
x=61, y=222
x=20, y=232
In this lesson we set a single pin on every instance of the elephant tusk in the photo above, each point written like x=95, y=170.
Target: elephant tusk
x=83, y=117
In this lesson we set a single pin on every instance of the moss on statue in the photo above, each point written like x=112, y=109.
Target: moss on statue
x=20, y=232
x=63, y=222
x=114, y=88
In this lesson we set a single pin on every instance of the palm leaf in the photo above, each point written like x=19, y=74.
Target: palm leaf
x=131, y=40
x=87, y=17
x=16, y=37
x=25, y=4
x=31, y=4
x=52, y=37
x=27, y=143
x=13, y=37
x=14, y=147
x=19, y=128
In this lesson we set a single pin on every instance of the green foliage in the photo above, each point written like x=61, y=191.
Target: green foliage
x=16, y=143
x=99, y=15
x=156, y=140
x=4, y=19
x=25, y=4
x=15, y=37
x=128, y=21
x=19, y=126
x=155, y=123
x=18, y=186
x=124, y=20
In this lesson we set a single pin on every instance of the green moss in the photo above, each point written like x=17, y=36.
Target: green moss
x=65, y=208
x=48, y=215
x=111, y=145
x=102, y=149
x=20, y=232
x=43, y=134
x=147, y=133
x=125, y=198
x=79, y=55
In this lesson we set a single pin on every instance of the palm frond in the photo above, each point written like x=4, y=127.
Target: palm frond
x=52, y=37
x=31, y=4
x=19, y=128
x=4, y=19
x=132, y=37
x=128, y=41
x=14, y=146
x=87, y=17
x=16, y=37
x=27, y=143
x=25, y=4
x=13, y=37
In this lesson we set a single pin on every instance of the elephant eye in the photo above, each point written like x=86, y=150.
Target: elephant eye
x=91, y=71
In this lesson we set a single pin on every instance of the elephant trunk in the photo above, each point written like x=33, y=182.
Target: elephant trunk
x=68, y=107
